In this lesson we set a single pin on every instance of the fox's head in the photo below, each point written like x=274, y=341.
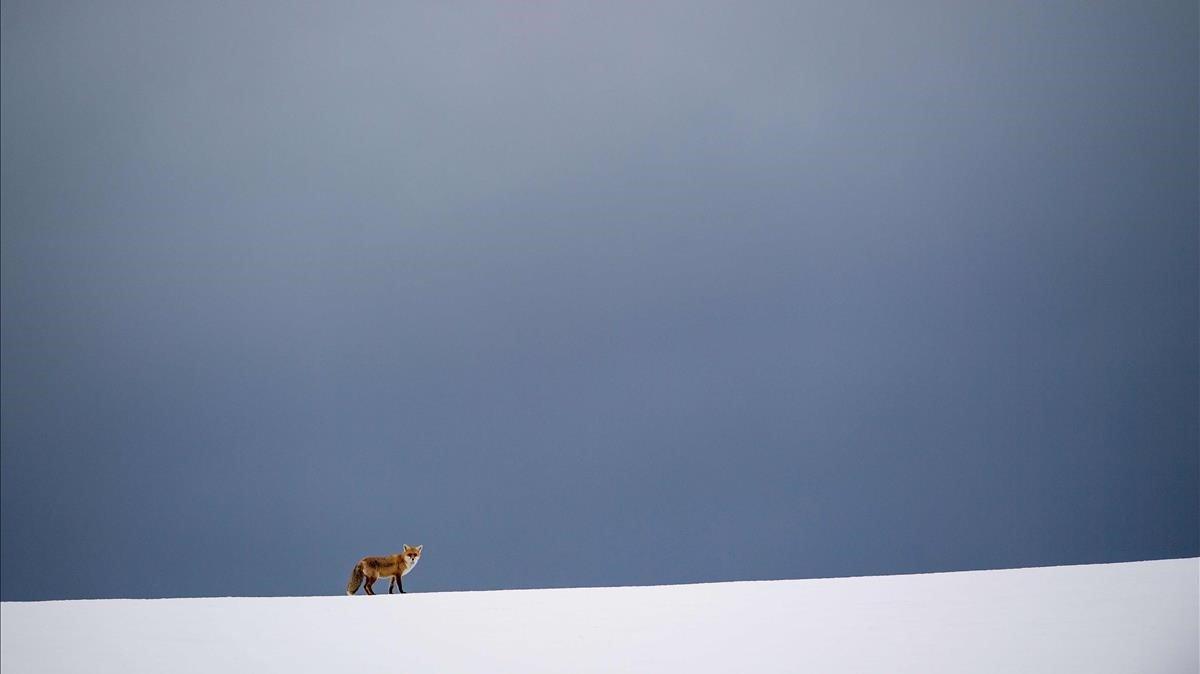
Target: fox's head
x=412, y=555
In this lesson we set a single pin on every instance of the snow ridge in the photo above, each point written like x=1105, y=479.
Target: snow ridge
x=1132, y=617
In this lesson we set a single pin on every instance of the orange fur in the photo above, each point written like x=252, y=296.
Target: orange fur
x=370, y=569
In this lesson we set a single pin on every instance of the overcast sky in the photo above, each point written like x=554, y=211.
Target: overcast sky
x=615, y=293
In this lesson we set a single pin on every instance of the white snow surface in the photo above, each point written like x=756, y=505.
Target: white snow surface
x=1135, y=617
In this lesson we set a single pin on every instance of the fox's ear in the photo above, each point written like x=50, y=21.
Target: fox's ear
x=419, y=547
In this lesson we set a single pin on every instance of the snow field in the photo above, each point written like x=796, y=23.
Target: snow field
x=1137, y=617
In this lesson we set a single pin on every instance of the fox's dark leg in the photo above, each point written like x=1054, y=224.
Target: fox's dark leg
x=391, y=584
x=400, y=580
x=369, y=585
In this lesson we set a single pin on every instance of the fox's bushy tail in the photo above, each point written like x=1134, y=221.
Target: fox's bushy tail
x=356, y=579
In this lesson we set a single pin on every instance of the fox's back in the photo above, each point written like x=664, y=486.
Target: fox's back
x=383, y=566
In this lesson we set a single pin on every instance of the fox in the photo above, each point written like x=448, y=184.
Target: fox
x=372, y=569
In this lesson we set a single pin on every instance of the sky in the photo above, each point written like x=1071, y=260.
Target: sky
x=593, y=294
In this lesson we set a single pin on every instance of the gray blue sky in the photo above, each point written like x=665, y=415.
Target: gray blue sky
x=593, y=294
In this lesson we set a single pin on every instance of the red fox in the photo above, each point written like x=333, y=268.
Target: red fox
x=373, y=568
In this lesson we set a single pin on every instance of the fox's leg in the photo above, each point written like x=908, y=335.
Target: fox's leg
x=391, y=584
x=369, y=585
x=400, y=580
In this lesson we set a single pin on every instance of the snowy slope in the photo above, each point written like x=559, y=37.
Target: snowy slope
x=1138, y=617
